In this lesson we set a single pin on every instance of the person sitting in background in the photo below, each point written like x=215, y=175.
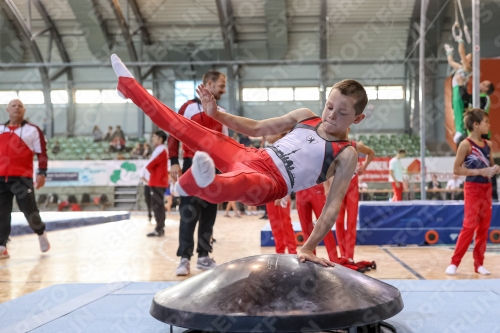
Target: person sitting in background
x=56, y=148
x=362, y=187
x=117, y=140
x=119, y=133
x=109, y=134
x=120, y=156
x=433, y=185
x=97, y=133
x=137, y=151
x=454, y=183
x=146, y=151
x=116, y=145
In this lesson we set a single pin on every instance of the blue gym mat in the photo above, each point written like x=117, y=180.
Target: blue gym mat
x=66, y=220
x=429, y=306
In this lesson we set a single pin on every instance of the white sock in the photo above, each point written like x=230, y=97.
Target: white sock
x=120, y=70
x=483, y=271
x=203, y=169
x=180, y=190
x=451, y=270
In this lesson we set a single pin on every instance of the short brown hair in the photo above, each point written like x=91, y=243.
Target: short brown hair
x=491, y=89
x=212, y=76
x=353, y=88
x=474, y=116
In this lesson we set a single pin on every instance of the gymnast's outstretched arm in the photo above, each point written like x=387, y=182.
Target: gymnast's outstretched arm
x=348, y=160
x=463, y=57
x=248, y=126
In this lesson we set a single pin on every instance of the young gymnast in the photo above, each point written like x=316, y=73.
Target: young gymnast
x=475, y=160
x=312, y=152
x=460, y=78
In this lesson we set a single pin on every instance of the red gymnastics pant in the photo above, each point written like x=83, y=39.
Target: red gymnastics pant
x=398, y=191
x=307, y=201
x=281, y=226
x=248, y=174
x=477, y=218
x=347, y=236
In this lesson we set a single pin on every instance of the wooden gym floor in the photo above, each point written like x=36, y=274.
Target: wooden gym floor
x=120, y=251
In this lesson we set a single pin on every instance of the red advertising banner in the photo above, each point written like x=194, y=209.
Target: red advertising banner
x=378, y=170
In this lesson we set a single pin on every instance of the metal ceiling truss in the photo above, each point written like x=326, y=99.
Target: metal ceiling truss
x=226, y=20
x=10, y=8
x=145, y=36
x=323, y=49
x=56, y=37
x=115, y=4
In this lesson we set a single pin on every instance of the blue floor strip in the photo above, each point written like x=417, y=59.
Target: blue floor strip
x=430, y=306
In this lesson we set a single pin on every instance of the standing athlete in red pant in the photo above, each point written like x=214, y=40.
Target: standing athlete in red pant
x=313, y=151
x=281, y=225
x=346, y=233
x=278, y=212
x=313, y=200
x=474, y=160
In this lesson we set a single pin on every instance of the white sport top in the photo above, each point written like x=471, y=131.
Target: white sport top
x=465, y=76
x=303, y=157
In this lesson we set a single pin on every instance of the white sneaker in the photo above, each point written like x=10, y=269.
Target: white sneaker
x=205, y=263
x=44, y=242
x=457, y=137
x=4, y=254
x=183, y=269
x=451, y=270
x=483, y=271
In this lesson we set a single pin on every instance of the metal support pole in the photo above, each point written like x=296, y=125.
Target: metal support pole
x=71, y=109
x=231, y=89
x=476, y=55
x=29, y=15
x=127, y=12
x=323, y=53
x=421, y=93
x=157, y=94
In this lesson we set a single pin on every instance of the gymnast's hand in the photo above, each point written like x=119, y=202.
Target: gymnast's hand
x=308, y=255
x=207, y=101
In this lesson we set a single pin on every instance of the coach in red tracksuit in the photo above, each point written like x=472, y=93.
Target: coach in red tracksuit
x=157, y=167
x=19, y=141
x=193, y=209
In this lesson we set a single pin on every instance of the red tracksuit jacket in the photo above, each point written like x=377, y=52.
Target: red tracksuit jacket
x=18, y=145
x=193, y=110
x=158, y=167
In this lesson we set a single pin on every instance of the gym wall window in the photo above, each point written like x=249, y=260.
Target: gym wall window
x=282, y=94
